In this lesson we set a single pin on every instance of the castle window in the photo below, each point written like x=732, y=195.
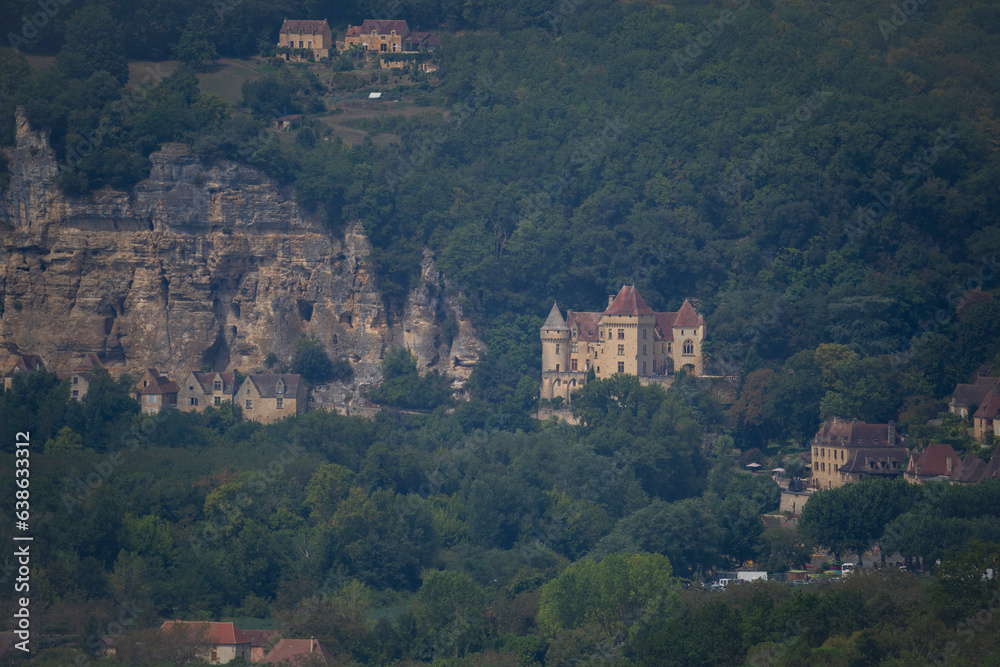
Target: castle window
x=822, y=467
x=621, y=334
x=643, y=348
x=602, y=333
x=644, y=368
x=644, y=333
x=557, y=348
x=572, y=364
x=688, y=347
x=621, y=366
x=557, y=368
x=576, y=347
x=670, y=347
x=621, y=350
x=279, y=403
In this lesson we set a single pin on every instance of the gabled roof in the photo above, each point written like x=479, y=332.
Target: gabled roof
x=665, y=325
x=22, y=363
x=628, y=302
x=876, y=461
x=304, y=27
x=218, y=633
x=206, y=380
x=385, y=27
x=686, y=317
x=970, y=394
x=969, y=471
x=267, y=384
x=159, y=388
x=294, y=651
x=555, y=321
x=990, y=406
x=259, y=638
x=587, y=325
x=934, y=461
x=855, y=433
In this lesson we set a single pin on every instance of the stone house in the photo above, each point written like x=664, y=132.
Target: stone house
x=226, y=641
x=628, y=337
x=20, y=363
x=302, y=36
x=200, y=390
x=155, y=392
x=938, y=462
x=268, y=397
x=987, y=417
x=970, y=396
x=81, y=374
x=384, y=36
x=260, y=640
x=845, y=445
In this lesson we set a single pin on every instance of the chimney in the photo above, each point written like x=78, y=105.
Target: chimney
x=892, y=434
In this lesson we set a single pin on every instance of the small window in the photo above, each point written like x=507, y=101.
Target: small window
x=279, y=403
x=688, y=347
x=557, y=348
x=602, y=333
x=149, y=399
x=310, y=44
x=621, y=350
x=300, y=44
x=576, y=347
x=621, y=366
x=249, y=404
x=76, y=393
x=218, y=385
x=193, y=401
x=218, y=400
x=644, y=368
x=621, y=334
x=643, y=348
x=644, y=331
x=572, y=364
x=76, y=380
x=557, y=368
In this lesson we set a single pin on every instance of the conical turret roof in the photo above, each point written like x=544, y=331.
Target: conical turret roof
x=555, y=320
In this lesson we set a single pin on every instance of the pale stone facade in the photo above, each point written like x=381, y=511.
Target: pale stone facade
x=628, y=337
x=267, y=397
x=200, y=390
x=306, y=36
x=384, y=36
x=848, y=451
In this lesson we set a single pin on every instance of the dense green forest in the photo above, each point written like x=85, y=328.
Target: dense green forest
x=820, y=177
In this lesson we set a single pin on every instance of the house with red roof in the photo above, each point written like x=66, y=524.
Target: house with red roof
x=987, y=418
x=937, y=463
x=968, y=397
x=260, y=640
x=156, y=392
x=301, y=39
x=20, y=363
x=848, y=451
x=298, y=652
x=627, y=337
x=226, y=641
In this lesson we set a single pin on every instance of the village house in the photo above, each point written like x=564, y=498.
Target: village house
x=20, y=363
x=384, y=36
x=304, y=38
x=987, y=418
x=200, y=390
x=81, y=374
x=286, y=123
x=859, y=448
x=628, y=337
x=298, y=652
x=227, y=642
x=968, y=397
x=268, y=397
x=155, y=392
x=937, y=463
x=260, y=640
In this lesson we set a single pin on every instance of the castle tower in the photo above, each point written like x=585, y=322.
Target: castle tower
x=689, y=333
x=555, y=350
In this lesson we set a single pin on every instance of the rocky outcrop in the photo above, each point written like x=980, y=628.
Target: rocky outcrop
x=200, y=266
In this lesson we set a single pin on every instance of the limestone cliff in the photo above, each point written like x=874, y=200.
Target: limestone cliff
x=200, y=266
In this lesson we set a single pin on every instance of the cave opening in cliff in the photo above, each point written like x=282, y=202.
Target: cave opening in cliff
x=346, y=318
x=305, y=310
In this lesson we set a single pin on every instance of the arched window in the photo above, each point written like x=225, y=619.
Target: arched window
x=688, y=347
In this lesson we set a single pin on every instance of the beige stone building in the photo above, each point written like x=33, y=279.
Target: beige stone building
x=384, y=36
x=987, y=418
x=267, y=397
x=847, y=451
x=155, y=392
x=80, y=375
x=628, y=337
x=304, y=37
x=224, y=641
x=20, y=363
x=200, y=390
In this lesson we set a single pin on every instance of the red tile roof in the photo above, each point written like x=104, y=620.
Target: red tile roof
x=294, y=651
x=304, y=27
x=587, y=325
x=665, y=325
x=219, y=633
x=970, y=471
x=990, y=406
x=937, y=459
x=686, y=317
x=385, y=27
x=259, y=638
x=628, y=302
x=970, y=394
x=839, y=433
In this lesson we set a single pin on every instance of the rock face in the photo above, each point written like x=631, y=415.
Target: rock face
x=200, y=266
